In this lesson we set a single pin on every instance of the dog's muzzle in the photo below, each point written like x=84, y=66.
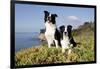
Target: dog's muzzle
x=65, y=33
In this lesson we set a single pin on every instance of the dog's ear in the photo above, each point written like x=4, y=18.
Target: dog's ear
x=69, y=27
x=55, y=15
x=62, y=28
x=46, y=12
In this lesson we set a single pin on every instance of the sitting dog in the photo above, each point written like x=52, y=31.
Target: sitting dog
x=52, y=34
x=67, y=40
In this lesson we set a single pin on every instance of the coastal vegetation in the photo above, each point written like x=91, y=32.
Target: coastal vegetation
x=83, y=52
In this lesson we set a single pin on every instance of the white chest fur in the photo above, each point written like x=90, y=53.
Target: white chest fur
x=65, y=42
x=50, y=28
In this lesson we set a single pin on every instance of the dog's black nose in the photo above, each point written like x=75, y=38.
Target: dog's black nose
x=49, y=18
x=65, y=33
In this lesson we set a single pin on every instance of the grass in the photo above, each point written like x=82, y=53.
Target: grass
x=84, y=51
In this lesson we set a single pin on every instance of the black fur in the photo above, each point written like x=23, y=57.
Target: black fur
x=62, y=28
x=69, y=30
x=53, y=16
x=57, y=36
x=46, y=14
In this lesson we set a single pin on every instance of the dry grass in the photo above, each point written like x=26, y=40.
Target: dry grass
x=44, y=55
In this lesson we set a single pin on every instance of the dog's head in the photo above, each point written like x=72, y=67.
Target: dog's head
x=50, y=18
x=65, y=31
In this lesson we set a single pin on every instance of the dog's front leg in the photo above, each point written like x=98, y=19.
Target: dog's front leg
x=56, y=42
x=63, y=50
x=69, y=51
x=49, y=43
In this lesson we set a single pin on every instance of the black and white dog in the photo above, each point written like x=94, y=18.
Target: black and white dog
x=67, y=40
x=62, y=37
x=52, y=34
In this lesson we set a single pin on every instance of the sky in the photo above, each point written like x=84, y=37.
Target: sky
x=30, y=18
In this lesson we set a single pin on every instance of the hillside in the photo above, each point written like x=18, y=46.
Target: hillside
x=83, y=52
x=86, y=28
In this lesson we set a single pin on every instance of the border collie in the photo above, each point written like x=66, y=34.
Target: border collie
x=52, y=34
x=67, y=40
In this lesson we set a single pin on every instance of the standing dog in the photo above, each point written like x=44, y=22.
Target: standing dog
x=67, y=40
x=52, y=34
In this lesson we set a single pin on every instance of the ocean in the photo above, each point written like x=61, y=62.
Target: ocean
x=26, y=40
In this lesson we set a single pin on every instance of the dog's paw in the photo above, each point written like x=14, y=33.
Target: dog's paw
x=69, y=51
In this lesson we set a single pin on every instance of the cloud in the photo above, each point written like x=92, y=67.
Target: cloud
x=74, y=21
x=73, y=18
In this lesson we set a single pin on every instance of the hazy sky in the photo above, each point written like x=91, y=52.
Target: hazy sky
x=30, y=18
